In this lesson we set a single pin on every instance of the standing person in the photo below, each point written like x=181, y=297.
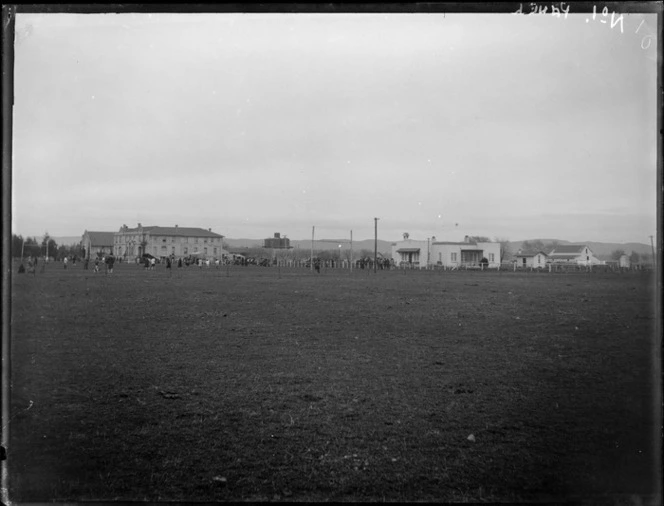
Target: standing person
x=110, y=260
x=86, y=262
x=31, y=266
x=168, y=262
x=153, y=262
x=179, y=263
x=96, y=264
x=65, y=260
x=146, y=263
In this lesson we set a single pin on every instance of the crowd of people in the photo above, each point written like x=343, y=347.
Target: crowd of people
x=148, y=262
x=107, y=261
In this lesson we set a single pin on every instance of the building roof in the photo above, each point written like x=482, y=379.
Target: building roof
x=530, y=254
x=456, y=243
x=408, y=250
x=176, y=231
x=100, y=238
x=564, y=257
x=567, y=249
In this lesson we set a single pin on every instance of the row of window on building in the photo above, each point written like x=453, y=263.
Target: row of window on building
x=491, y=257
x=122, y=239
x=163, y=251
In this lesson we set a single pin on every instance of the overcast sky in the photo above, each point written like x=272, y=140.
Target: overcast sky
x=480, y=124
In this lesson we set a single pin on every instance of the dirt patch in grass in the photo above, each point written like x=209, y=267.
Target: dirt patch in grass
x=264, y=385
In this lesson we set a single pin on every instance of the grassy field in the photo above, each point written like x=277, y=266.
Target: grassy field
x=264, y=384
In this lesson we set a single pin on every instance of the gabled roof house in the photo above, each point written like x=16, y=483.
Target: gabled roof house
x=574, y=253
x=97, y=242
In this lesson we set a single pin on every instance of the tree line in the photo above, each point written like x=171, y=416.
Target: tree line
x=32, y=246
x=634, y=257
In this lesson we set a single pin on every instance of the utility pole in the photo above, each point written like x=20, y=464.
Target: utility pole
x=312, y=248
x=351, y=251
x=375, y=243
x=428, y=252
x=654, y=258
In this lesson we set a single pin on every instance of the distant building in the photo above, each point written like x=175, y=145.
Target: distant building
x=161, y=242
x=534, y=259
x=97, y=243
x=465, y=254
x=419, y=253
x=277, y=242
x=624, y=261
x=579, y=254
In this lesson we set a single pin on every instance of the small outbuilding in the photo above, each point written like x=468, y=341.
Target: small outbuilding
x=533, y=259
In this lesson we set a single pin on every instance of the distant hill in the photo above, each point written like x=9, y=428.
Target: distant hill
x=602, y=250
x=243, y=243
x=384, y=247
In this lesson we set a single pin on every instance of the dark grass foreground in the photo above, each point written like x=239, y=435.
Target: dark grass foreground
x=142, y=386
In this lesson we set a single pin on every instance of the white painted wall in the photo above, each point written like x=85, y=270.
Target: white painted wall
x=536, y=261
x=449, y=255
x=624, y=261
x=420, y=258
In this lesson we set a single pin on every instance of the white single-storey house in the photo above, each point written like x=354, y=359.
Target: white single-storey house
x=411, y=252
x=534, y=259
x=467, y=253
x=579, y=254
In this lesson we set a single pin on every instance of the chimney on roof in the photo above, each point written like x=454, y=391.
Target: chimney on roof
x=209, y=230
x=277, y=235
x=466, y=239
x=176, y=225
x=139, y=225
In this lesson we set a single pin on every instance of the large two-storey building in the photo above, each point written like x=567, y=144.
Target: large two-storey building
x=161, y=242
